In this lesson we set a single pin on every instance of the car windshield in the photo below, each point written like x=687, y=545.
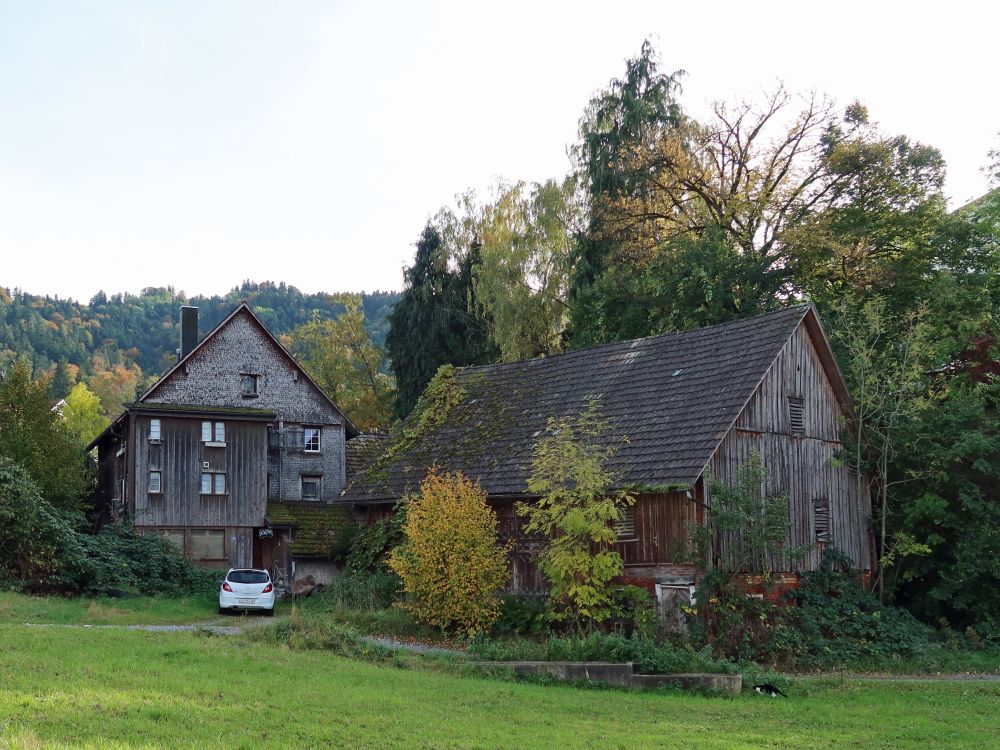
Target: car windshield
x=247, y=576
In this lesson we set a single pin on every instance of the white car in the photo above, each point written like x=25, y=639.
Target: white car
x=246, y=588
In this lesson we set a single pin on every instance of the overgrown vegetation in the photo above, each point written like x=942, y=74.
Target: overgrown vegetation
x=575, y=512
x=47, y=549
x=450, y=564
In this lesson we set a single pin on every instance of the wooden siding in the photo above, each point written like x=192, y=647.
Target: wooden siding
x=803, y=466
x=179, y=457
x=239, y=545
x=661, y=521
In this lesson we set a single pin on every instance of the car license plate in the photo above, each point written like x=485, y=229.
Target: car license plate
x=247, y=601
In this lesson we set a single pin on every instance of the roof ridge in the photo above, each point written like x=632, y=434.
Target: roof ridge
x=631, y=342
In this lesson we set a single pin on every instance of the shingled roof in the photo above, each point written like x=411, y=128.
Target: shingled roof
x=674, y=396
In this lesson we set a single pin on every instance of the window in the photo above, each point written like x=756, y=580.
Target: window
x=821, y=519
x=174, y=536
x=213, y=432
x=213, y=483
x=311, y=488
x=625, y=526
x=154, y=482
x=154, y=430
x=208, y=544
x=248, y=576
x=248, y=386
x=795, y=416
x=310, y=438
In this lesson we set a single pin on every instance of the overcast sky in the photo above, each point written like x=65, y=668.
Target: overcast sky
x=196, y=144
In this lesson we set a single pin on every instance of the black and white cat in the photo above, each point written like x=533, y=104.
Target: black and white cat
x=768, y=689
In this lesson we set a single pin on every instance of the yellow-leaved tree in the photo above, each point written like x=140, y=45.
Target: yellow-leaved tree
x=451, y=564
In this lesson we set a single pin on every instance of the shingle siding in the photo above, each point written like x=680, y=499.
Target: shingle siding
x=211, y=377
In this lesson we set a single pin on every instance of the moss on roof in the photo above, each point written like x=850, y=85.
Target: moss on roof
x=315, y=525
x=202, y=408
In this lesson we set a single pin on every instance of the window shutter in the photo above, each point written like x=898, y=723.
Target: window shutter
x=821, y=519
x=795, y=416
x=625, y=526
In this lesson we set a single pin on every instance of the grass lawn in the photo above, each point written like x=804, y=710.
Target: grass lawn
x=64, y=687
x=18, y=609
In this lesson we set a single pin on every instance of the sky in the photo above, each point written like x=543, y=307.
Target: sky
x=198, y=144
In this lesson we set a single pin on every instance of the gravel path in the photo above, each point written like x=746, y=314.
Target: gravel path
x=212, y=628
x=417, y=648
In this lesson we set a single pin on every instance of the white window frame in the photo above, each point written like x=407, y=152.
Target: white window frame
x=211, y=480
x=306, y=441
x=154, y=430
x=213, y=433
x=156, y=488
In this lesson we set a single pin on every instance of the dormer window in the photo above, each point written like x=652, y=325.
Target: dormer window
x=248, y=385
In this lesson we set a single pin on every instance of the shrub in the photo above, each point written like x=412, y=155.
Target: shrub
x=118, y=558
x=451, y=564
x=38, y=543
x=829, y=621
x=371, y=545
x=576, y=510
x=42, y=549
x=634, y=611
x=523, y=615
x=838, y=622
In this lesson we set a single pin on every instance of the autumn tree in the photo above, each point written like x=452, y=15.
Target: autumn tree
x=340, y=356
x=115, y=385
x=577, y=507
x=450, y=563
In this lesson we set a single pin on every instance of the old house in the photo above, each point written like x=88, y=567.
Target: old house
x=688, y=403
x=235, y=455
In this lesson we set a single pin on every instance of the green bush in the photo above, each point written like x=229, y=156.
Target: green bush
x=523, y=615
x=838, y=622
x=633, y=611
x=829, y=621
x=118, y=558
x=648, y=657
x=370, y=546
x=43, y=549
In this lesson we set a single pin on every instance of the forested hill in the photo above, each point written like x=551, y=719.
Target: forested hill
x=141, y=331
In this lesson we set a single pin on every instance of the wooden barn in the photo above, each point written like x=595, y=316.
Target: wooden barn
x=688, y=403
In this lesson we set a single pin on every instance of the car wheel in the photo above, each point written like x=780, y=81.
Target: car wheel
x=222, y=610
x=269, y=612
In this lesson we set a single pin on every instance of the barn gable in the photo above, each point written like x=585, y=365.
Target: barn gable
x=795, y=419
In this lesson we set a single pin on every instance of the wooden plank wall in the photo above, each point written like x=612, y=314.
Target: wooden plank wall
x=661, y=521
x=803, y=466
x=179, y=458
